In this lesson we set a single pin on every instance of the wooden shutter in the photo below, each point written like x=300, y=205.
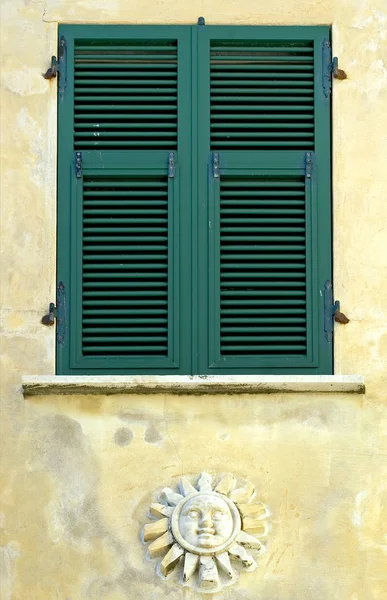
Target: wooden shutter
x=122, y=223
x=265, y=230
x=194, y=227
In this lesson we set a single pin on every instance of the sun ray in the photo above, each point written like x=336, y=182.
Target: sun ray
x=241, y=555
x=168, y=496
x=156, y=529
x=161, y=544
x=208, y=573
x=243, y=495
x=255, y=527
x=186, y=488
x=205, y=483
x=160, y=510
x=171, y=559
x=226, y=484
x=189, y=535
x=225, y=564
x=248, y=541
x=190, y=565
x=257, y=510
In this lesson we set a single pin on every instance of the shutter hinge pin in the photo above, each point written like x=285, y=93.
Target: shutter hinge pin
x=308, y=165
x=52, y=71
x=331, y=311
x=171, y=165
x=215, y=165
x=57, y=312
x=58, y=66
x=49, y=319
x=78, y=164
x=201, y=21
x=330, y=68
x=334, y=68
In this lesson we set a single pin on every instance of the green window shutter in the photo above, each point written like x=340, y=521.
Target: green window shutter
x=216, y=262
x=123, y=225
x=265, y=237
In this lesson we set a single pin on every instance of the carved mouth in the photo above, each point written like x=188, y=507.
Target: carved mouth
x=206, y=532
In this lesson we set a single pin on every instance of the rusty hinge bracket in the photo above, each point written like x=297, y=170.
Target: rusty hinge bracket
x=330, y=68
x=52, y=71
x=330, y=308
x=58, y=312
x=59, y=66
x=308, y=164
x=78, y=164
x=171, y=165
x=215, y=165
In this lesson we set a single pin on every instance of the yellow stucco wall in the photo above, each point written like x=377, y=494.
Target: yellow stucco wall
x=79, y=472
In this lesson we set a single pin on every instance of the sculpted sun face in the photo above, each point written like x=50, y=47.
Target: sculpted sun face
x=206, y=530
x=206, y=521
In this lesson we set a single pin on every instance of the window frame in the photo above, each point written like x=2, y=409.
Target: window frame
x=195, y=333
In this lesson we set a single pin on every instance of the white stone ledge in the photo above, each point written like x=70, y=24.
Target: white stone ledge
x=34, y=385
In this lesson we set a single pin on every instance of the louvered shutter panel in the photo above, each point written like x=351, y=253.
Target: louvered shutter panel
x=194, y=230
x=266, y=227
x=121, y=230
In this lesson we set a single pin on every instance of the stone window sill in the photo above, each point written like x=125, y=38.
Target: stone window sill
x=34, y=385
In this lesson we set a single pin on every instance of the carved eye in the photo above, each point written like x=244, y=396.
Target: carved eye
x=218, y=515
x=193, y=514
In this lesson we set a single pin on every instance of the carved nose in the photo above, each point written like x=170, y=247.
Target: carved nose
x=206, y=520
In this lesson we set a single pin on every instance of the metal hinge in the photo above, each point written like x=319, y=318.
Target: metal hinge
x=201, y=21
x=59, y=313
x=171, y=165
x=215, y=165
x=59, y=66
x=330, y=68
x=78, y=164
x=308, y=164
x=330, y=308
x=52, y=71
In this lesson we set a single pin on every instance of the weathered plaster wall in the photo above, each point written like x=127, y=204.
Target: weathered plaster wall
x=78, y=472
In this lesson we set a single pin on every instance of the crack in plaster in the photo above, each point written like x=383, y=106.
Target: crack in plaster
x=169, y=435
x=45, y=9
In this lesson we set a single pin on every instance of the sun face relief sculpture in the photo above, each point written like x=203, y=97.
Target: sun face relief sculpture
x=205, y=531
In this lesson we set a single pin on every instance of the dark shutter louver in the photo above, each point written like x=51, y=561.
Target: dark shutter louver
x=125, y=267
x=262, y=267
x=125, y=95
x=262, y=95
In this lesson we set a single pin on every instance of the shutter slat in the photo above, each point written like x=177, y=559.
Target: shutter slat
x=143, y=280
x=114, y=144
x=126, y=330
x=259, y=126
x=255, y=320
x=257, y=302
x=136, y=350
x=254, y=282
x=274, y=264
x=256, y=81
x=125, y=78
x=131, y=126
x=259, y=118
x=102, y=267
x=264, y=348
x=124, y=321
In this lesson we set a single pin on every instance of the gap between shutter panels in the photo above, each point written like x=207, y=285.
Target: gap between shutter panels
x=125, y=266
x=125, y=95
x=262, y=266
x=262, y=95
